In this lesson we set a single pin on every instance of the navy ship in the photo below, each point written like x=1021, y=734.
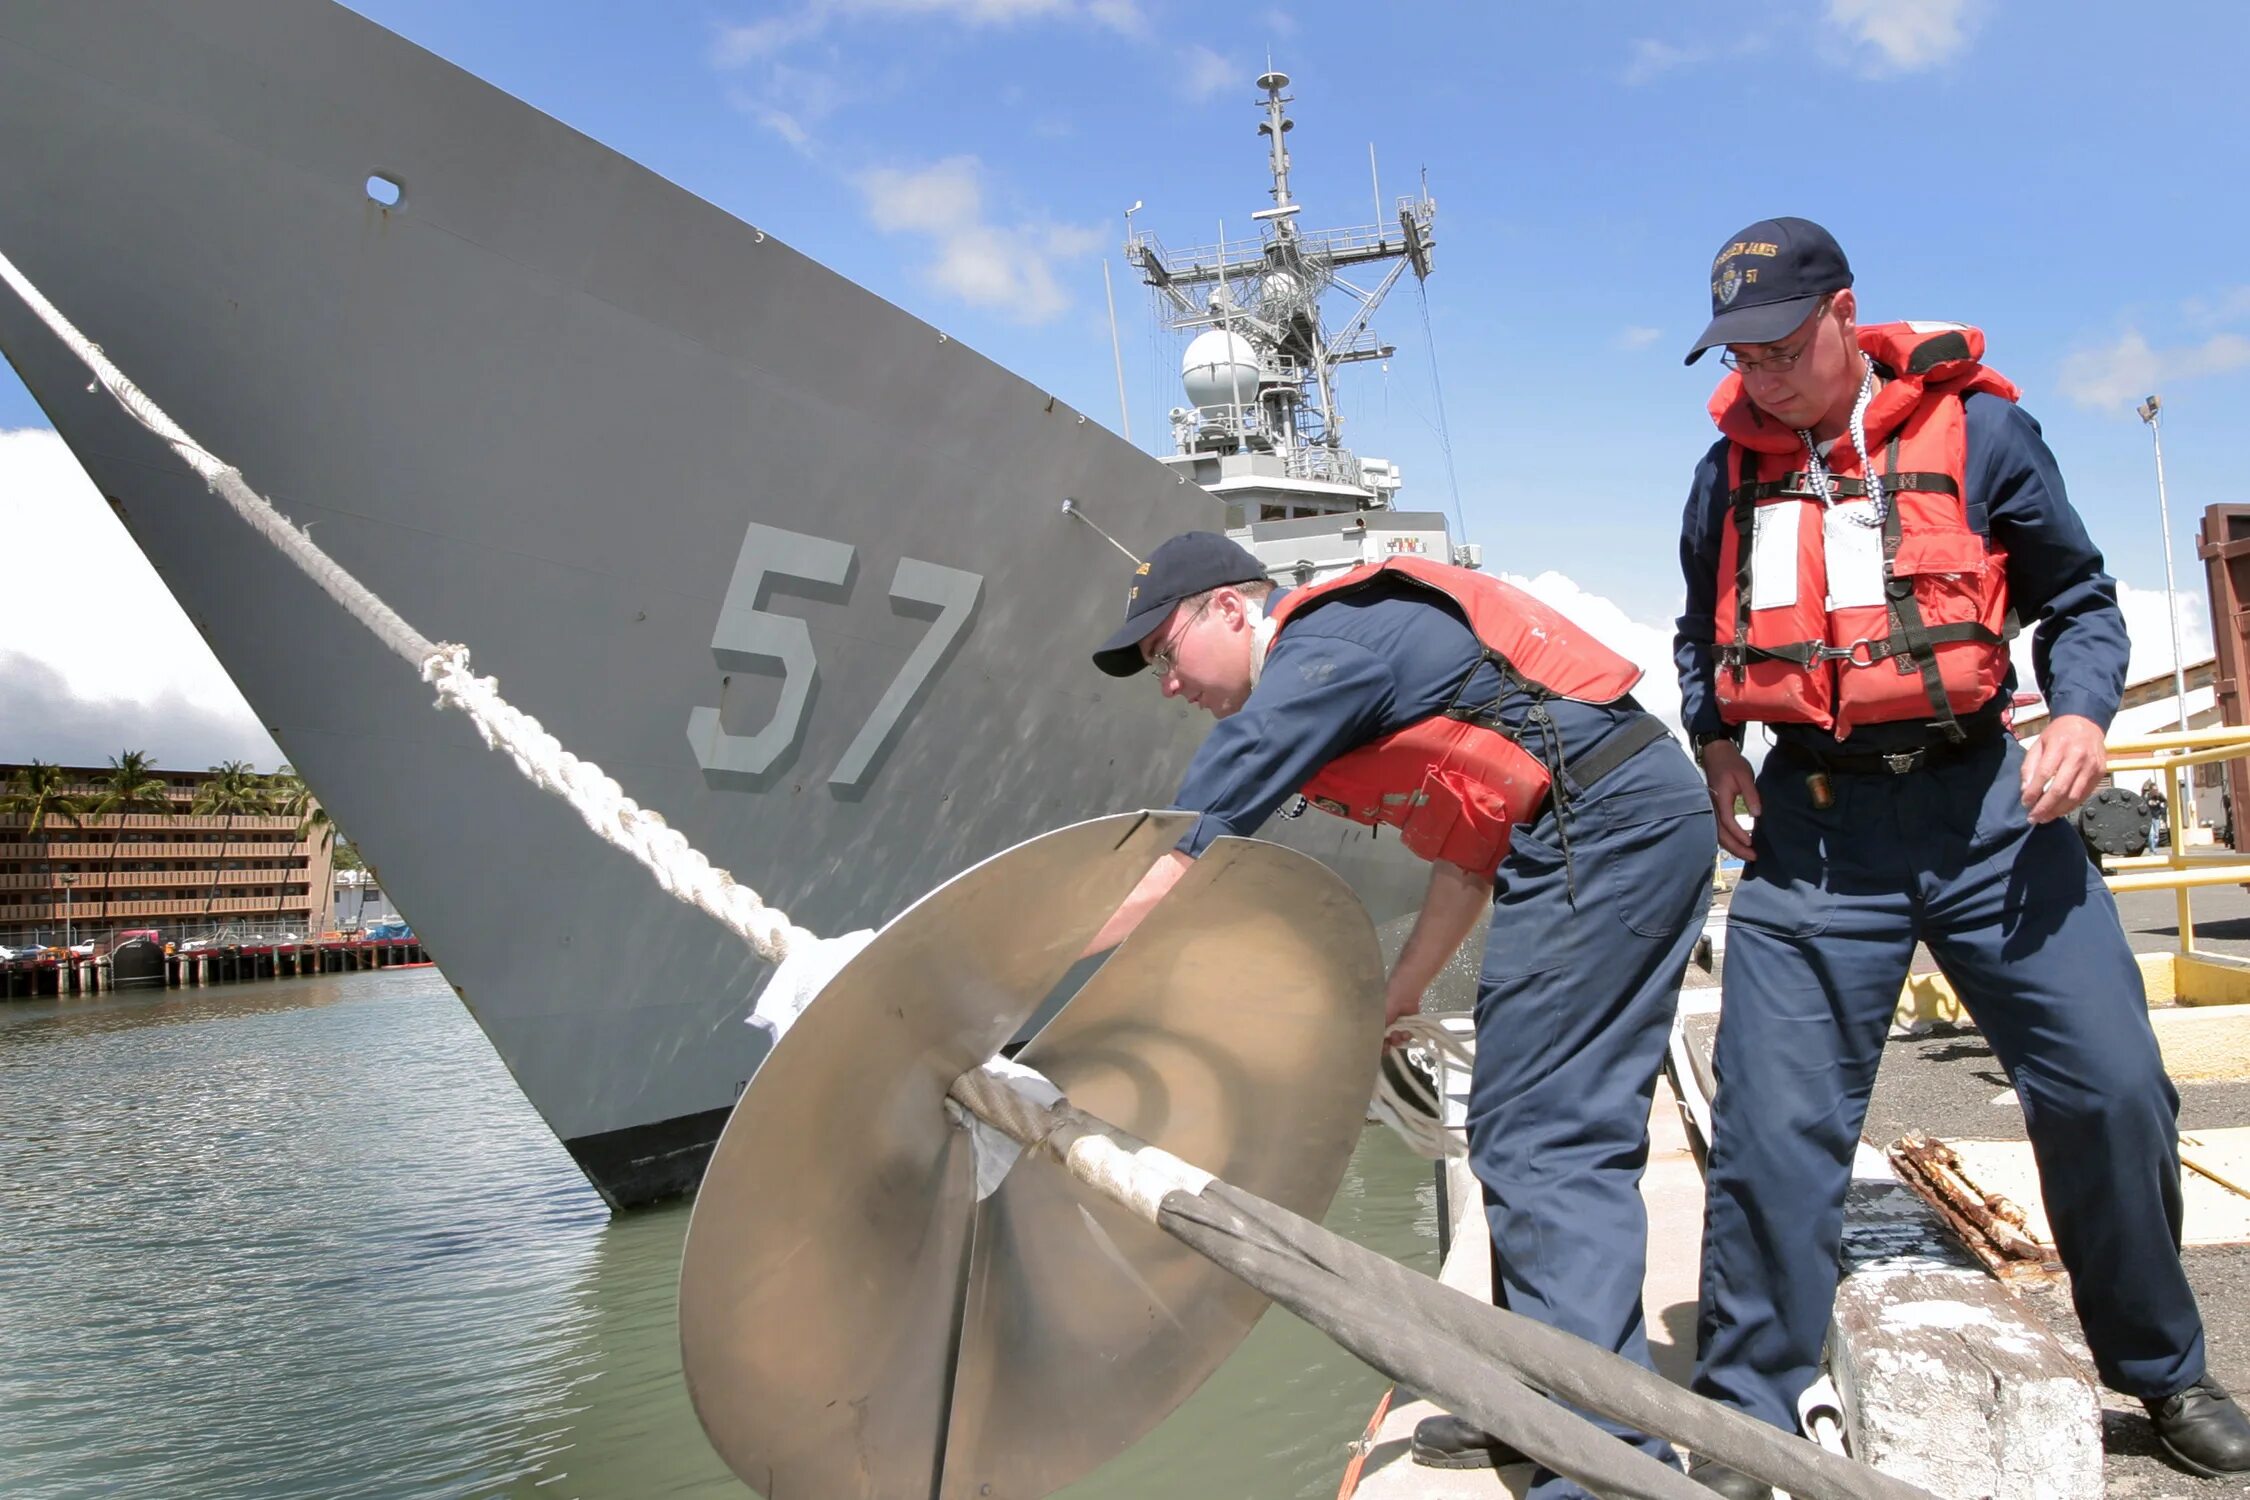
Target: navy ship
x=793, y=565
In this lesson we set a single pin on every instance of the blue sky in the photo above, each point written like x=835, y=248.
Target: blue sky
x=2066, y=175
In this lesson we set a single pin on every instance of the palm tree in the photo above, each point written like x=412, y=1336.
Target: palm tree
x=293, y=799
x=39, y=794
x=130, y=787
x=234, y=790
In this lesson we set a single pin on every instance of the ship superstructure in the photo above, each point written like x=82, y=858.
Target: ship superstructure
x=1263, y=429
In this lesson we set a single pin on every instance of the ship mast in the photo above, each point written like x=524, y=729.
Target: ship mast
x=1261, y=371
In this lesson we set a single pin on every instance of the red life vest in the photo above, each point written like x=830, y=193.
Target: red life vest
x=1453, y=785
x=1825, y=617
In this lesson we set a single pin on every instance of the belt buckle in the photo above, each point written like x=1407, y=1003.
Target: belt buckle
x=1902, y=761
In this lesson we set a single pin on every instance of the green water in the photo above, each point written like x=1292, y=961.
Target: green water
x=304, y=1238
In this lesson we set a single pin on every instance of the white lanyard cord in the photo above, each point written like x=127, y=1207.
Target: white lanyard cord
x=1817, y=472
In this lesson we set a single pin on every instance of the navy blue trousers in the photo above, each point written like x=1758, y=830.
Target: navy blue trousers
x=1574, y=1006
x=1819, y=939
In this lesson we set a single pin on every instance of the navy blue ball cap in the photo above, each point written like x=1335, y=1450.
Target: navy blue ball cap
x=1189, y=564
x=1767, y=279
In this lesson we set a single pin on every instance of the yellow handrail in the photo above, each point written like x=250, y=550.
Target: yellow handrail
x=2167, y=754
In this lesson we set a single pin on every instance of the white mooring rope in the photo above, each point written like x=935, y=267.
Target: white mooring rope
x=679, y=868
x=617, y=818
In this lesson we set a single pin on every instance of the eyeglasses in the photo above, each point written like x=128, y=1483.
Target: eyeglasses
x=1783, y=361
x=1165, y=657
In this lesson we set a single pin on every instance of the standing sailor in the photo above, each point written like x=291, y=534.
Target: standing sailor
x=1858, y=545
x=1503, y=744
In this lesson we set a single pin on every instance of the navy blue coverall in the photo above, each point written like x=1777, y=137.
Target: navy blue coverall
x=1821, y=934
x=1575, y=998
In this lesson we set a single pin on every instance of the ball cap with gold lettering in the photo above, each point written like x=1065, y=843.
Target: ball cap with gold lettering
x=1189, y=564
x=1766, y=279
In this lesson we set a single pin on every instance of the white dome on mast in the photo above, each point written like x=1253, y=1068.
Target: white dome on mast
x=1220, y=368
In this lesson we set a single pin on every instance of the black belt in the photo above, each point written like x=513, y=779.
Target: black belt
x=1899, y=762
x=1620, y=747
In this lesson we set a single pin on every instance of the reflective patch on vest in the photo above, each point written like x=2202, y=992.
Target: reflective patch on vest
x=1773, y=555
x=1920, y=327
x=1852, y=537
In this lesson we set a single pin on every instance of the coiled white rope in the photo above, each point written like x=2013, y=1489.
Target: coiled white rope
x=641, y=832
x=1417, y=1115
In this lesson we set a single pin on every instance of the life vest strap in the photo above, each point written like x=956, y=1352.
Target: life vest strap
x=1866, y=653
x=1736, y=657
x=1915, y=640
x=1797, y=485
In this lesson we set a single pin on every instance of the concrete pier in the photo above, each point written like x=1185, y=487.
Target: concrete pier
x=32, y=978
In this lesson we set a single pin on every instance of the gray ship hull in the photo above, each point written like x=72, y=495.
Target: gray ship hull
x=788, y=562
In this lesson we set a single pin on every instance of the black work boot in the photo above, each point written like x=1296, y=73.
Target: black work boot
x=2203, y=1430
x=1716, y=1476
x=1447, y=1442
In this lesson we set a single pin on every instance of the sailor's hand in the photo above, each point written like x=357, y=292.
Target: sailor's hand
x=1398, y=1000
x=1728, y=773
x=2063, y=766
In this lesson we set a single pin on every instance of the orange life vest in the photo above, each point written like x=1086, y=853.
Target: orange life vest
x=1826, y=615
x=1454, y=784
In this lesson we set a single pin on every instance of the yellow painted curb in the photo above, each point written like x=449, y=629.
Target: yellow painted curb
x=2168, y=978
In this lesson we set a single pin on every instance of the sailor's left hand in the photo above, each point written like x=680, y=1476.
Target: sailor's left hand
x=2063, y=766
x=1398, y=1001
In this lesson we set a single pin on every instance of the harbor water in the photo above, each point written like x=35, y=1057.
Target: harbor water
x=305, y=1238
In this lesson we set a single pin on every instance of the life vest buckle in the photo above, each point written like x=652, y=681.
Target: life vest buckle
x=1851, y=653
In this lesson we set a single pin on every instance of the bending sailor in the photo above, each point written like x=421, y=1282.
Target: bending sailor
x=1503, y=744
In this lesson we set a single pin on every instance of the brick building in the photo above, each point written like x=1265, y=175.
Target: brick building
x=184, y=875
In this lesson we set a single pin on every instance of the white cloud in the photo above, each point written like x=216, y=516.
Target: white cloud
x=1651, y=58
x=1121, y=16
x=1637, y=337
x=2229, y=306
x=1208, y=74
x=1907, y=36
x=1647, y=646
x=2151, y=633
x=790, y=100
x=2150, y=650
x=736, y=46
x=2117, y=376
x=90, y=672
x=973, y=12
x=783, y=124
x=1117, y=15
x=1010, y=268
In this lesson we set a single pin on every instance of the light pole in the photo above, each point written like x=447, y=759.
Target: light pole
x=2148, y=410
x=67, y=882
